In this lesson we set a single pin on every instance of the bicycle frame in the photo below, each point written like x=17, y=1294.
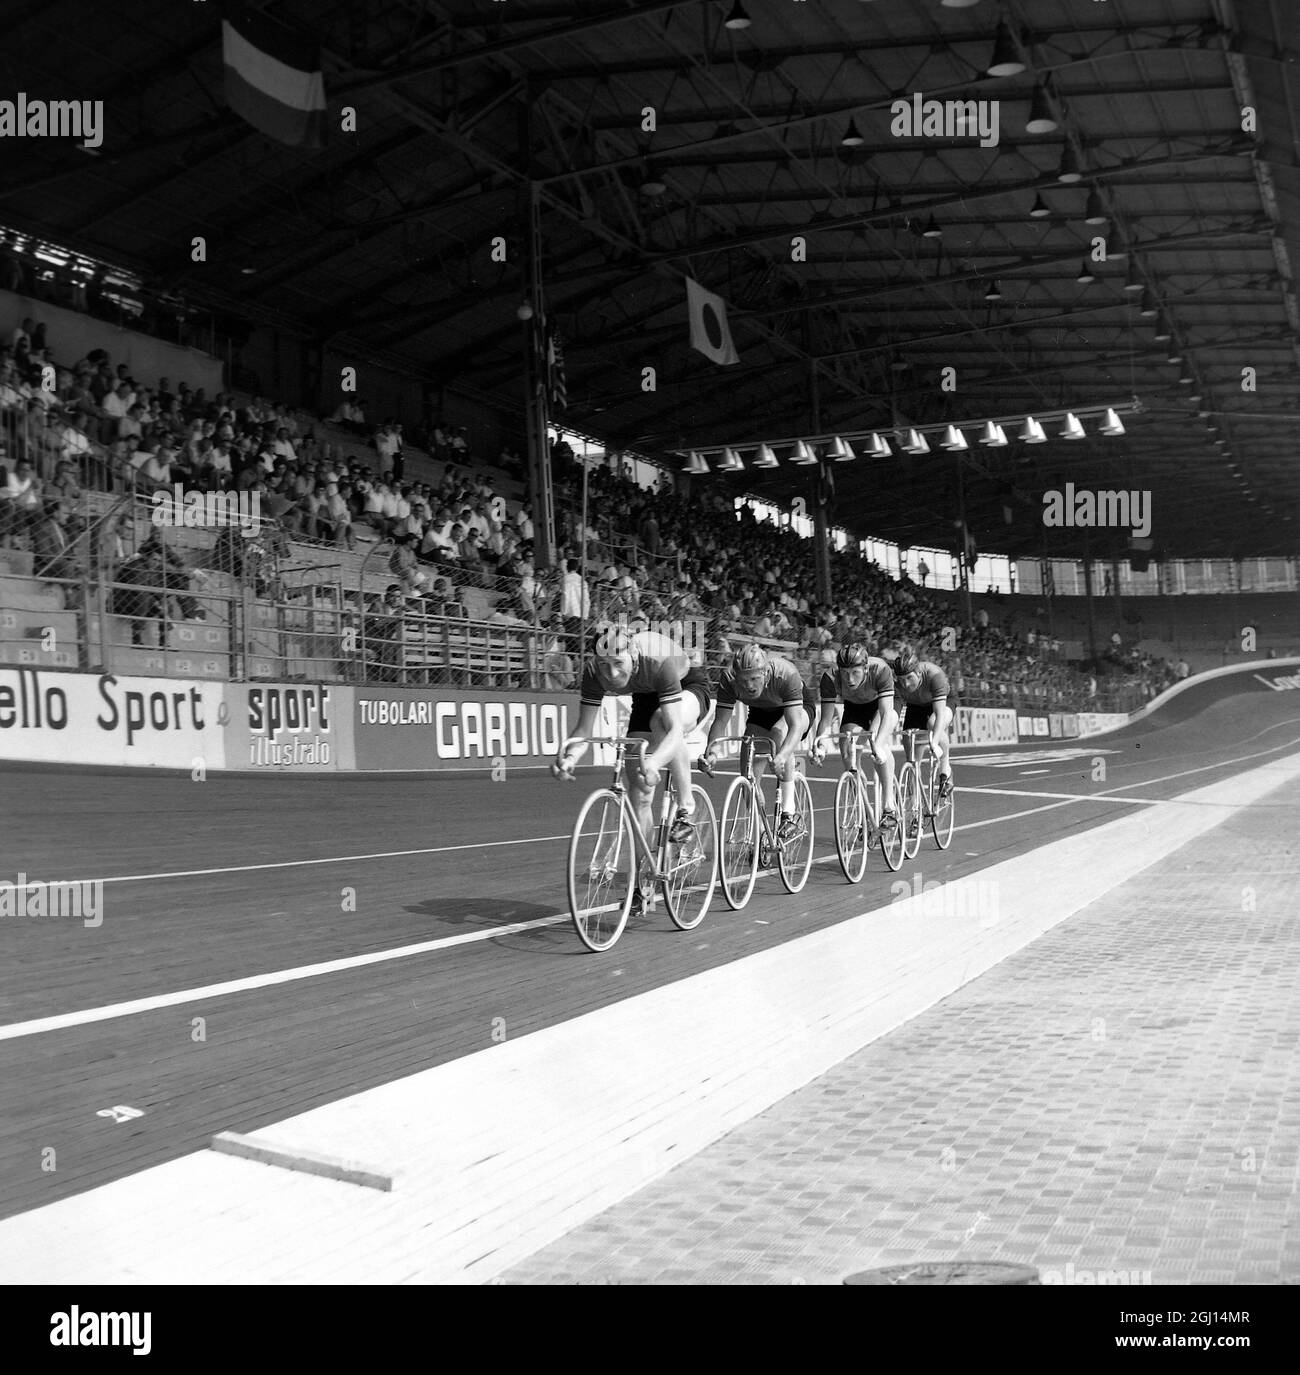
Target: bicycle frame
x=621, y=745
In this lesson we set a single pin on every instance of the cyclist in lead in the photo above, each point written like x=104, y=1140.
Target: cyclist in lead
x=862, y=688
x=773, y=690
x=670, y=697
x=924, y=688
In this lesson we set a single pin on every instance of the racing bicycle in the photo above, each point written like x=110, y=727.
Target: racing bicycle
x=918, y=795
x=609, y=857
x=857, y=816
x=748, y=835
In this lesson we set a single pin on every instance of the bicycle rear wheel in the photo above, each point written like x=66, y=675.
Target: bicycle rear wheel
x=738, y=843
x=795, y=856
x=602, y=870
x=942, y=812
x=910, y=816
x=692, y=868
x=851, y=827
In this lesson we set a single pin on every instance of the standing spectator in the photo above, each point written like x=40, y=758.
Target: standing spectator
x=575, y=599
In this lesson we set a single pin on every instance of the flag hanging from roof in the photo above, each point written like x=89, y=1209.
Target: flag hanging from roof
x=710, y=332
x=274, y=78
x=555, y=383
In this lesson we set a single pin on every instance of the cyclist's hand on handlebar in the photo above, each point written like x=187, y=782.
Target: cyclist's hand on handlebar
x=562, y=770
x=649, y=773
x=705, y=763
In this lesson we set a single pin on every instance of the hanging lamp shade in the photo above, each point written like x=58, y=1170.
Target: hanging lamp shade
x=1111, y=425
x=1032, y=432
x=1073, y=429
x=803, y=453
x=841, y=451
x=994, y=436
x=764, y=458
x=916, y=443
x=953, y=440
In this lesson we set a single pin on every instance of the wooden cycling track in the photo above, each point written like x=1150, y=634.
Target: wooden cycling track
x=238, y=878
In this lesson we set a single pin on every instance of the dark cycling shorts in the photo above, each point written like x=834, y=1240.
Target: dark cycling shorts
x=917, y=715
x=645, y=704
x=860, y=714
x=764, y=717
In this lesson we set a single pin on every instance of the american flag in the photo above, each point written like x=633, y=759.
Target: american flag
x=555, y=369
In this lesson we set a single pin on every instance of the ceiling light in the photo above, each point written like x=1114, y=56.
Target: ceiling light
x=932, y=230
x=900, y=364
x=1195, y=398
x=1095, y=211
x=958, y=4
x=1131, y=280
x=525, y=309
x=1006, y=60
x=852, y=139
x=916, y=443
x=731, y=462
x=1032, y=432
x=993, y=293
x=1112, y=425
x=878, y=447
x=803, y=453
x=764, y=458
x=1041, y=120
x=1086, y=273
x=737, y=19
x=1163, y=333
x=1185, y=378
x=1069, y=169
x=1040, y=210
x=653, y=184
x=841, y=451
x=696, y=463
x=1073, y=430
x=1175, y=354
x=953, y=440
x=1148, y=307
x=994, y=436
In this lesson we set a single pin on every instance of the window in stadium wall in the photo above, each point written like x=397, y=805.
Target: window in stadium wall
x=1029, y=577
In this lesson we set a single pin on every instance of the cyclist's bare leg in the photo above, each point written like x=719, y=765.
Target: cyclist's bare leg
x=778, y=733
x=679, y=766
x=641, y=797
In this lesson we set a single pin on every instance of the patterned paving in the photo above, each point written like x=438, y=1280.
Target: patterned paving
x=1122, y=1096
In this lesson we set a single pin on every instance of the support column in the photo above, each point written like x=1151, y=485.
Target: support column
x=1087, y=591
x=821, y=528
x=535, y=418
x=965, y=544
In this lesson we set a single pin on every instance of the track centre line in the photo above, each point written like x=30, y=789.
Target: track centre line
x=64, y=1020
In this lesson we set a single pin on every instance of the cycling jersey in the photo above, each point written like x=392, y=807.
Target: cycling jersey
x=654, y=671
x=877, y=681
x=783, y=687
x=932, y=687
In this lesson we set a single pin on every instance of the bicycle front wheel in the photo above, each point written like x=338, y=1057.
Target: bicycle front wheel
x=910, y=816
x=738, y=846
x=691, y=870
x=942, y=813
x=851, y=827
x=602, y=870
x=795, y=856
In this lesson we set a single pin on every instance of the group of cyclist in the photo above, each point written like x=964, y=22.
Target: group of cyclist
x=671, y=697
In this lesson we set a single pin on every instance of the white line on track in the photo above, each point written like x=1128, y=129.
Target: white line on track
x=100, y=1014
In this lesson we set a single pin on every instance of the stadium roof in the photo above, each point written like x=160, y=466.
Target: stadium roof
x=380, y=242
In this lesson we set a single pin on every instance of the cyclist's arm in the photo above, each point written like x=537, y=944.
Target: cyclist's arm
x=886, y=718
x=721, y=720
x=826, y=718
x=572, y=757
x=940, y=715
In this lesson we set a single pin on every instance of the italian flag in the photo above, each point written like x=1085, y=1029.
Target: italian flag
x=273, y=78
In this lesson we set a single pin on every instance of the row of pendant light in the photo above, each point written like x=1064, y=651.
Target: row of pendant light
x=992, y=436
x=737, y=19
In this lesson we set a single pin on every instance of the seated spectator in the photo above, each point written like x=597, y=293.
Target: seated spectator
x=20, y=500
x=51, y=545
